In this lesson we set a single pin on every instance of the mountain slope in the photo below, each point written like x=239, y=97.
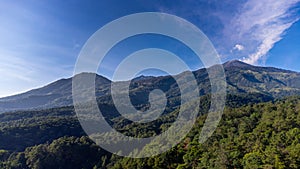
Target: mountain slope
x=56, y=94
x=263, y=135
x=241, y=78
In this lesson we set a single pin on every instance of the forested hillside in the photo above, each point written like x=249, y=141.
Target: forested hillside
x=241, y=78
x=253, y=135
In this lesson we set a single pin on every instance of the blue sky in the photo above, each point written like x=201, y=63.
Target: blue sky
x=40, y=40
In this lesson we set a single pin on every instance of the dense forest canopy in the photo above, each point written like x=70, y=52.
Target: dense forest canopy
x=252, y=135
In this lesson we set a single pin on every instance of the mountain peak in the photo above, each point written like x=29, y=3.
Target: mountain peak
x=236, y=63
x=143, y=77
x=99, y=78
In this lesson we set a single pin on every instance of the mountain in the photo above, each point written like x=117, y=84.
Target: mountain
x=56, y=94
x=242, y=79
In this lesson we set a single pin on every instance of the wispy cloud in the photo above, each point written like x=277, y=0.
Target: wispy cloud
x=260, y=24
x=36, y=47
x=40, y=41
x=19, y=73
x=245, y=30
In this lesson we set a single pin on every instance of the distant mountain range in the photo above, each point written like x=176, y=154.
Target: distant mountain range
x=242, y=79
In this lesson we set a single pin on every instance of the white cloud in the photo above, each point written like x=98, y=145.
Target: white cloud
x=238, y=47
x=260, y=24
x=267, y=43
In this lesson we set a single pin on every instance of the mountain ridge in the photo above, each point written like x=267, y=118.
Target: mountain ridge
x=238, y=63
x=242, y=78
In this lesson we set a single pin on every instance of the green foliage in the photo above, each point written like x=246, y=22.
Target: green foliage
x=252, y=160
x=66, y=152
x=261, y=135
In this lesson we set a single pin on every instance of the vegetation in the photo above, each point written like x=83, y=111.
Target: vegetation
x=241, y=79
x=253, y=135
